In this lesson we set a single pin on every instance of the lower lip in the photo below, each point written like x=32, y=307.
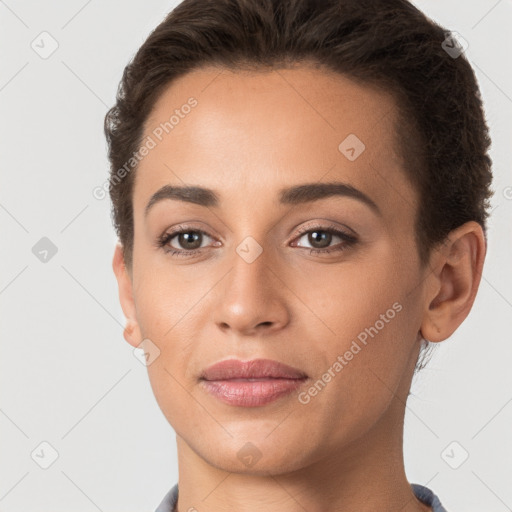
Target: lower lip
x=251, y=393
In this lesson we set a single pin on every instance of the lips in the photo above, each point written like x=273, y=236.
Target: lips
x=251, y=383
x=255, y=369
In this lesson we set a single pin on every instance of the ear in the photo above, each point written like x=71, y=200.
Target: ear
x=132, y=333
x=452, y=285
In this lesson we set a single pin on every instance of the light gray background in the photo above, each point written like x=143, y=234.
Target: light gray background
x=67, y=375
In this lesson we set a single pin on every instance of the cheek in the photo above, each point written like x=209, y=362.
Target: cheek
x=165, y=295
x=170, y=314
x=364, y=376
x=368, y=323
x=349, y=297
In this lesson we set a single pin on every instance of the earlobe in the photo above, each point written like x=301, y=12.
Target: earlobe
x=454, y=282
x=132, y=333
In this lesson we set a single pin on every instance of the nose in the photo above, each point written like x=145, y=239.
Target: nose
x=251, y=299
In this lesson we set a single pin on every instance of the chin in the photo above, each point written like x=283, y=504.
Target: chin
x=258, y=457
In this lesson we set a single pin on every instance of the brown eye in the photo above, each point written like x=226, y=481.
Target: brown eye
x=324, y=240
x=189, y=240
x=183, y=242
x=319, y=239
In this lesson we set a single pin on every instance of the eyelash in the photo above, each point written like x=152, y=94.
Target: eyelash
x=348, y=240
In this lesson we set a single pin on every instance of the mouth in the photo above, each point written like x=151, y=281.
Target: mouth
x=251, y=383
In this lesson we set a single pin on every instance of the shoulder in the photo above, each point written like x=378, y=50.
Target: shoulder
x=169, y=502
x=426, y=495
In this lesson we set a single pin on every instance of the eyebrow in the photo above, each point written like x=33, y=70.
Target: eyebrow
x=298, y=194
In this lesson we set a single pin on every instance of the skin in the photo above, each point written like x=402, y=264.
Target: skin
x=252, y=134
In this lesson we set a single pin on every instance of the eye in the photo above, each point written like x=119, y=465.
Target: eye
x=321, y=238
x=183, y=241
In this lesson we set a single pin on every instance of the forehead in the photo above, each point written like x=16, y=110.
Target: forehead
x=247, y=132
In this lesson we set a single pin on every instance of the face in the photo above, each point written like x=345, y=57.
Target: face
x=326, y=280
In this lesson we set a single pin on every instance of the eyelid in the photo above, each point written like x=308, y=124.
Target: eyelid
x=181, y=228
x=163, y=240
x=328, y=226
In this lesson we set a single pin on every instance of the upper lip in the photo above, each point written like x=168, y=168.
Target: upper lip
x=254, y=369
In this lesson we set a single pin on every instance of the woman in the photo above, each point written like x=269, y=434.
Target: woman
x=300, y=191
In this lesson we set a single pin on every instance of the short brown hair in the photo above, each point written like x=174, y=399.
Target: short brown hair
x=442, y=134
